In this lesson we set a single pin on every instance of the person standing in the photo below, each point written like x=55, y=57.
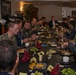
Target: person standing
x=13, y=29
x=8, y=58
x=53, y=22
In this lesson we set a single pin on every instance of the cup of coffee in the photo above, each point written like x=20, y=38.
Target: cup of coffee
x=27, y=44
x=65, y=59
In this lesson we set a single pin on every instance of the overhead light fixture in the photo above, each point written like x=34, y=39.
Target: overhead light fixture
x=21, y=6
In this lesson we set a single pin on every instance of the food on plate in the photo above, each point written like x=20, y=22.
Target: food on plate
x=50, y=67
x=68, y=71
x=51, y=52
x=33, y=60
x=39, y=41
x=41, y=53
x=39, y=65
x=66, y=52
x=34, y=49
x=43, y=36
x=53, y=45
x=48, y=42
x=38, y=73
x=32, y=65
x=20, y=51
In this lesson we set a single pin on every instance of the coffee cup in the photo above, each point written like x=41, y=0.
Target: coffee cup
x=65, y=59
x=27, y=44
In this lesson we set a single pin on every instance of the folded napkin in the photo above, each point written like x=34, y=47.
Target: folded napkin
x=39, y=45
x=55, y=70
x=26, y=56
x=41, y=53
x=22, y=73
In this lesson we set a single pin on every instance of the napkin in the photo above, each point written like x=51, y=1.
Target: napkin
x=55, y=70
x=39, y=45
x=22, y=73
x=42, y=53
x=25, y=57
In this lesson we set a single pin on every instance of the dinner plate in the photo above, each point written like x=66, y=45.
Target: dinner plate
x=53, y=45
x=20, y=51
x=41, y=67
x=33, y=72
x=64, y=54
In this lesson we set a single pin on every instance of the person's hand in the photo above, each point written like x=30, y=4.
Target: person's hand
x=42, y=27
x=33, y=37
x=25, y=40
x=34, y=28
x=37, y=37
x=65, y=43
x=72, y=41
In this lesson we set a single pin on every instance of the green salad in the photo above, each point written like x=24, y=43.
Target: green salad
x=68, y=71
x=33, y=49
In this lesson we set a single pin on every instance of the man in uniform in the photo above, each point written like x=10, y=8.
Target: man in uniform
x=13, y=27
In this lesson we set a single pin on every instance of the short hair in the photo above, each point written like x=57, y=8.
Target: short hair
x=8, y=55
x=65, y=18
x=72, y=22
x=52, y=16
x=43, y=18
x=26, y=22
x=33, y=18
x=39, y=19
x=12, y=23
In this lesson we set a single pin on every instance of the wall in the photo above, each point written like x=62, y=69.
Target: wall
x=50, y=10
x=14, y=7
x=44, y=10
x=0, y=9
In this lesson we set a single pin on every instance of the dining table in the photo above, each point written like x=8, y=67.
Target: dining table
x=56, y=58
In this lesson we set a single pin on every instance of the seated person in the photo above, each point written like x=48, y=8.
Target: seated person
x=65, y=23
x=71, y=25
x=26, y=29
x=72, y=47
x=23, y=34
x=39, y=25
x=34, y=37
x=53, y=22
x=33, y=24
x=8, y=58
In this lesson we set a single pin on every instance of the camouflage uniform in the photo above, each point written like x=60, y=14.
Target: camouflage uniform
x=26, y=33
x=5, y=37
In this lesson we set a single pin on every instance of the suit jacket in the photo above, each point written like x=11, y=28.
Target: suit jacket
x=51, y=23
x=71, y=35
x=65, y=25
x=4, y=73
x=72, y=47
x=19, y=37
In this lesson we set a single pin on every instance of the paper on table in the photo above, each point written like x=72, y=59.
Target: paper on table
x=50, y=67
x=41, y=53
x=22, y=73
